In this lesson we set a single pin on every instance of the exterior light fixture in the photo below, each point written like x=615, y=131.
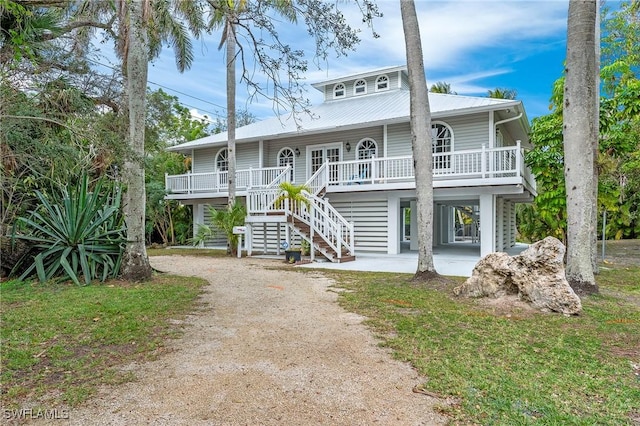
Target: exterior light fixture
x=297, y=151
x=348, y=146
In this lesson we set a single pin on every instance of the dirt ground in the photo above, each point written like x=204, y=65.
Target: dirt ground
x=267, y=347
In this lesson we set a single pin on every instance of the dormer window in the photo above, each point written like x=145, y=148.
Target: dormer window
x=339, y=90
x=382, y=83
x=360, y=87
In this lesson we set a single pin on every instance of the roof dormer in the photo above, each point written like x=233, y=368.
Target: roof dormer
x=362, y=84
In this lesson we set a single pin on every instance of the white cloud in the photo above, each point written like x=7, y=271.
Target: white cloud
x=464, y=41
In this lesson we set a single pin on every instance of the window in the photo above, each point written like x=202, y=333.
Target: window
x=360, y=87
x=286, y=157
x=382, y=83
x=367, y=148
x=442, y=144
x=339, y=90
x=222, y=160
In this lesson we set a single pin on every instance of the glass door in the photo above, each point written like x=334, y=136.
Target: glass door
x=319, y=154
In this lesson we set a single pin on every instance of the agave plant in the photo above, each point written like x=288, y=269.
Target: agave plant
x=77, y=232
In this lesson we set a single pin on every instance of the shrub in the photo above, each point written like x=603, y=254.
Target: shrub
x=75, y=232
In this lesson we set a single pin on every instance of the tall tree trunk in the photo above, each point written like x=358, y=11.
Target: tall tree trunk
x=420, y=140
x=135, y=264
x=580, y=129
x=231, y=111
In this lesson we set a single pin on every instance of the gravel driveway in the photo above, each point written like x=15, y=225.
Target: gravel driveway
x=268, y=347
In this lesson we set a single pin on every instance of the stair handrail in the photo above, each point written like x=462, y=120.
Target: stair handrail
x=318, y=181
x=327, y=222
x=282, y=177
x=317, y=220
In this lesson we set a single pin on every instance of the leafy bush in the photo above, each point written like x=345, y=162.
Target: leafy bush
x=224, y=219
x=75, y=232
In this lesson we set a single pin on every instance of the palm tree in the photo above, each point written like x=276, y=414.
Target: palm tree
x=580, y=123
x=420, y=140
x=225, y=16
x=501, y=93
x=442, y=87
x=143, y=26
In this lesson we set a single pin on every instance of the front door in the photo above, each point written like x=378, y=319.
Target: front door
x=319, y=154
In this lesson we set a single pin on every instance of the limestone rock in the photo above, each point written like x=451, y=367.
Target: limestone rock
x=536, y=275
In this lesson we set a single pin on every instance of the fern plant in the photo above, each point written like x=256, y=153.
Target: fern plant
x=75, y=232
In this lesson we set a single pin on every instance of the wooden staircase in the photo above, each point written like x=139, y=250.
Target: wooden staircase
x=318, y=243
x=314, y=220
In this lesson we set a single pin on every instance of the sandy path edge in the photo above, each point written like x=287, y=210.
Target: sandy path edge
x=269, y=347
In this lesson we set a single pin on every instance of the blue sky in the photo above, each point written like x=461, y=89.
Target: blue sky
x=474, y=45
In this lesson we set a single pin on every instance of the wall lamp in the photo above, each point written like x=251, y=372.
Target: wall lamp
x=297, y=152
x=348, y=146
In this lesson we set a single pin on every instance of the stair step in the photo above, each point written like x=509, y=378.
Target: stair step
x=343, y=259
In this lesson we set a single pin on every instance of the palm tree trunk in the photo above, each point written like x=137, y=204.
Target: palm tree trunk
x=231, y=111
x=580, y=137
x=420, y=139
x=135, y=263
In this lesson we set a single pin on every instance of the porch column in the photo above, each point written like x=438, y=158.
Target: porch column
x=487, y=224
x=413, y=226
x=394, y=223
x=198, y=218
x=500, y=236
x=248, y=239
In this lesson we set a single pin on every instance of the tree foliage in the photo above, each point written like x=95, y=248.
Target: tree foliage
x=618, y=159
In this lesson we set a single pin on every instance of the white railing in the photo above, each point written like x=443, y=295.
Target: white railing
x=263, y=201
x=190, y=183
x=285, y=176
x=475, y=163
x=503, y=162
x=318, y=181
x=324, y=220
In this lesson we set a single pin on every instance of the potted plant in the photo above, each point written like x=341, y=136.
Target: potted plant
x=292, y=193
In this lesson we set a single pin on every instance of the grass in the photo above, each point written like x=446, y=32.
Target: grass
x=512, y=366
x=60, y=341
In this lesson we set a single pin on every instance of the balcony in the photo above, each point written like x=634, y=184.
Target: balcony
x=479, y=167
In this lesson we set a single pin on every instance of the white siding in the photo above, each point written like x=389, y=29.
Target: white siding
x=370, y=217
x=272, y=147
x=204, y=160
x=247, y=155
x=469, y=131
x=218, y=239
x=398, y=140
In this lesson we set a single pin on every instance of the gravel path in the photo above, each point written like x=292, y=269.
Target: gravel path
x=269, y=347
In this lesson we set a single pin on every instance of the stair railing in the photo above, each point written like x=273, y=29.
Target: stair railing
x=318, y=181
x=324, y=220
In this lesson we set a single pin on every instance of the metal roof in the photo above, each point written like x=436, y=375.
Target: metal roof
x=354, y=112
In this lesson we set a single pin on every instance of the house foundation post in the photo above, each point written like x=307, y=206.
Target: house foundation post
x=487, y=224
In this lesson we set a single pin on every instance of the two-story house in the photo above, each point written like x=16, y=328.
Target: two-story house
x=354, y=153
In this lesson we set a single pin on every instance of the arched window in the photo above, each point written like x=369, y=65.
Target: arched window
x=442, y=144
x=339, y=90
x=382, y=83
x=360, y=87
x=286, y=157
x=367, y=148
x=222, y=160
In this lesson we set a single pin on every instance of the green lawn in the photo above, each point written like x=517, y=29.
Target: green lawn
x=500, y=366
x=512, y=366
x=60, y=341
